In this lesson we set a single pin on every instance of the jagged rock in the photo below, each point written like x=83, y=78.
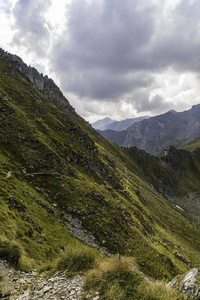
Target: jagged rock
x=187, y=284
x=43, y=83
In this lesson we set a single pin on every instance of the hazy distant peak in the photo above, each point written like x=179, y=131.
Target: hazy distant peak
x=98, y=124
x=118, y=125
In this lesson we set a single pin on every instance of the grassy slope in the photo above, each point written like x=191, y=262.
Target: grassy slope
x=51, y=159
x=192, y=145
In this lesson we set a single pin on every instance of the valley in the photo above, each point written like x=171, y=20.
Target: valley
x=64, y=186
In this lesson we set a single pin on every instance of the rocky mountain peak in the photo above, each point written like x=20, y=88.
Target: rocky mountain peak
x=45, y=84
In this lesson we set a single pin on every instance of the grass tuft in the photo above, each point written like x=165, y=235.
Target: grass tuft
x=114, y=279
x=77, y=259
x=158, y=291
x=11, y=251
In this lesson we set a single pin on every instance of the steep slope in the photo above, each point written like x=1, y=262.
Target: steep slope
x=157, y=133
x=57, y=174
x=117, y=137
x=192, y=145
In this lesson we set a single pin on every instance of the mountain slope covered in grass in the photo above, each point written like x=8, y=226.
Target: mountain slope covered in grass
x=58, y=176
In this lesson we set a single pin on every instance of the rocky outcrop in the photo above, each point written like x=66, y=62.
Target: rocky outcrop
x=43, y=83
x=187, y=284
x=16, y=285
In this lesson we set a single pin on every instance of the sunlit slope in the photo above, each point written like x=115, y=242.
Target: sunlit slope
x=192, y=145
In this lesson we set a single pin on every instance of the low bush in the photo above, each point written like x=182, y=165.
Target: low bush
x=10, y=251
x=120, y=284
x=76, y=259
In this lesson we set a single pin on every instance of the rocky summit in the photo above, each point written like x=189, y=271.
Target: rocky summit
x=71, y=201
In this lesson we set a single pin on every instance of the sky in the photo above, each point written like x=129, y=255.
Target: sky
x=110, y=58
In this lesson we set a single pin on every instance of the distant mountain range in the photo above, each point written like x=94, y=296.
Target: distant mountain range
x=156, y=133
x=109, y=124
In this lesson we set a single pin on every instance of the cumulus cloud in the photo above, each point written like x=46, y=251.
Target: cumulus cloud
x=116, y=56
x=30, y=25
x=177, y=42
x=100, y=58
x=5, y=6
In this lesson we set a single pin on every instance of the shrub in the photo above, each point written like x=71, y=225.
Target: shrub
x=124, y=284
x=25, y=263
x=77, y=259
x=10, y=251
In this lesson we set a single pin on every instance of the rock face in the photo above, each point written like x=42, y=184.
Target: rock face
x=16, y=285
x=156, y=133
x=187, y=283
x=43, y=83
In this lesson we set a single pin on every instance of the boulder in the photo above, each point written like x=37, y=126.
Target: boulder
x=187, y=284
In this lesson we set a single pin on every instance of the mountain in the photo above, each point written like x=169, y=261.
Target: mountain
x=156, y=133
x=101, y=123
x=120, y=125
x=63, y=185
x=117, y=137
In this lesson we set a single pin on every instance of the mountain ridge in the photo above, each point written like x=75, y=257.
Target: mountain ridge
x=117, y=125
x=156, y=133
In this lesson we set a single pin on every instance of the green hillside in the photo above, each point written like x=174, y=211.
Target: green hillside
x=57, y=171
x=192, y=145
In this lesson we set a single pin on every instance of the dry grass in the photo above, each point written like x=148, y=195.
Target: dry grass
x=118, y=279
x=114, y=279
x=158, y=290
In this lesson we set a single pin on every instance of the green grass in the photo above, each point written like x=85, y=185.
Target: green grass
x=76, y=259
x=192, y=145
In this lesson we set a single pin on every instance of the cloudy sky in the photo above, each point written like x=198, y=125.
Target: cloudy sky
x=116, y=58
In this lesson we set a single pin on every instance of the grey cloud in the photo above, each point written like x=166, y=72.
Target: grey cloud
x=102, y=56
x=103, y=85
x=108, y=33
x=30, y=25
x=142, y=103
x=178, y=43
x=115, y=47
